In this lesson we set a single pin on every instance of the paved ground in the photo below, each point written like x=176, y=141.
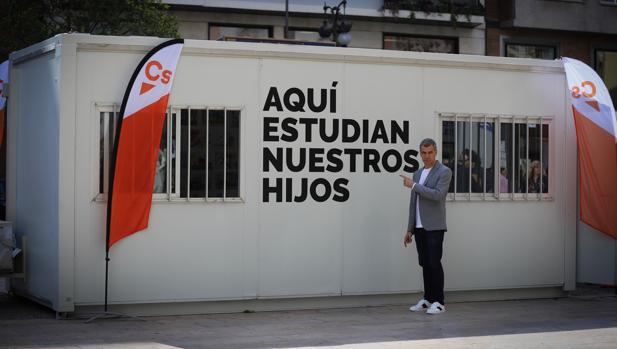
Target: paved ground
x=584, y=321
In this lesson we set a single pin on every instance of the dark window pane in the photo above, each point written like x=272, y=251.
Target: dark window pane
x=606, y=66
x=218, y=32
x=184, y=151
x=198, y=153
x=487, y=138
x=537, y=180
x=160, y=181
x=531, y=51
x=173, y=153
x=448, y=153
x=232, y=184
x=544, y=164
x=505, y=159
x=464, y=165
x=477, y=157
x=520, y=175
x=216, y=153
x=420, y=44
x=102, y=138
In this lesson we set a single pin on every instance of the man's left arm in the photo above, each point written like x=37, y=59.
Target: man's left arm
x=441, y=189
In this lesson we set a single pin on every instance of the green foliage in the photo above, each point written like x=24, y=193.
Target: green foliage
x=25, y=22
x=455, y=9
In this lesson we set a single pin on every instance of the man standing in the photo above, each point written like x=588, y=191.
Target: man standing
x=427, y=221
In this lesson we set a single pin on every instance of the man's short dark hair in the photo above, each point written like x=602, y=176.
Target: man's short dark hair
x=428, y=142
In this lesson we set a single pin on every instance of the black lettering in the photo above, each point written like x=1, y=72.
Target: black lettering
x=347, y=138
x=397, y=158
x=294, y=106
x=397, y=131
x=379, y=132
x=268, y=129
x=353, y=153
x=273, y=100
x=316, y=160
x=303, y=191
x=322, y=130
x=333, y=97
x=410, y=159
x=291, y=134
x=327, y=189
x=365, y=131
x=371, y=159
x=342, y=193
x=322, y=103
x=301, y=160
x=289, y=189
x=335, y=162
x=270, y=159
x=308, y=127
x=277, y=189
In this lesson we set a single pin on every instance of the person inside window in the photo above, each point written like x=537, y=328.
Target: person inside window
x=504, y=186
x=469, y=159
x=537, y=178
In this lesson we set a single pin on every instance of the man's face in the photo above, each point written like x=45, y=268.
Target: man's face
x=428, y=154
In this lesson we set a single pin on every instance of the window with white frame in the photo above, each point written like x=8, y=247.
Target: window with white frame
x=496, y=156
x=524, y=50
x=199, y=158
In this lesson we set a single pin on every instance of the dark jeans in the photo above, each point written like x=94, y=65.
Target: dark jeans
x=430, y=249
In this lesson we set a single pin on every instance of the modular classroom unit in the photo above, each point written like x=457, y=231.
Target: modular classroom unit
x=278, y=178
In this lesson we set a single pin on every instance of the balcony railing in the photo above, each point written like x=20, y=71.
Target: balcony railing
x=454, y=7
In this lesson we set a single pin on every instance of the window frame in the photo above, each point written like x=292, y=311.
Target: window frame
x=456, y=40
x=596, y=50
x=174, y=113
x=498, y=120
x=235, y=25
x=530, y=42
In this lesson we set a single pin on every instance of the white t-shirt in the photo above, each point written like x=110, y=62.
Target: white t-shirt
x=423, y=176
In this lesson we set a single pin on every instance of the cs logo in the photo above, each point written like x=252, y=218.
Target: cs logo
x=154, y=72
x=588, y=88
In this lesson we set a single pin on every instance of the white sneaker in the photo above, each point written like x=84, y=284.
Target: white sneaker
x=436, y=308
x=421, y=305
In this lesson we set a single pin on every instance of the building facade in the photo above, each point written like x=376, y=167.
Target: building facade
x=549, y=29
x=376, y=24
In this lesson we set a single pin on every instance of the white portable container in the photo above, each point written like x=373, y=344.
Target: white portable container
x=214, y=237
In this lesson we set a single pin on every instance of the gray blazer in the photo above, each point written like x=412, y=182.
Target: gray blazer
x=432, y=196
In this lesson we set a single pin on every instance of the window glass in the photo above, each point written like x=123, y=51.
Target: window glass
x=464, y=165
x=107, y=132
x=219, y=31
x=420, y=44
x=531, y=51
x=204, y=153
x=505, y=159
x=160, y=181
x=487, y=144
x=304, y=35
x=216, y=153
x=517, y=162
x=198, y=153
x=606, y=66
x=232, y=159
x=448, y=155
x=520, y=154
x=184, y=152
x=173, y=163
x=537, y=179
